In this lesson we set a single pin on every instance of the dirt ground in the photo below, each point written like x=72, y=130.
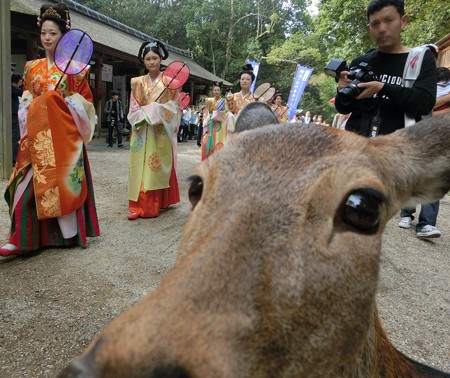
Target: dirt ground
x=54, y=303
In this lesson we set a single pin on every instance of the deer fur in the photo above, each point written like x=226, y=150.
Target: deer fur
x=284, y=282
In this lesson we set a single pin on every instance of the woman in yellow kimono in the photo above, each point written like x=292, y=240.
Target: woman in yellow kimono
x=152, y=182
x=236, y=101
x=216, y=133
x=278, y=109
x=50, y=193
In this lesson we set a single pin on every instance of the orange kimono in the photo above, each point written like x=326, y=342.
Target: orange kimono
x=50, y=193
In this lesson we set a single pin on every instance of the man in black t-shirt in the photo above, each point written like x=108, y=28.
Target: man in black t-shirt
x=388, y=95
x=383, y=104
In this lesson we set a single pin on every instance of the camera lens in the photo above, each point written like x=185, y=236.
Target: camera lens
x=349, y=93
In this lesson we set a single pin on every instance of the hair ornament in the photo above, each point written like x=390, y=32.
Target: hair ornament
x=151, y=46
x=67, y=20
x=58, y=13
x=50, y=12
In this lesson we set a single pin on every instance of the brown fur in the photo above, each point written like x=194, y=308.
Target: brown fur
x=282, y=285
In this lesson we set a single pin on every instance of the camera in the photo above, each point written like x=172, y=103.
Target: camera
x=362, y=73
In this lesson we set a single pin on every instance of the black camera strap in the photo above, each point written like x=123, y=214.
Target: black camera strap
x=375, y=124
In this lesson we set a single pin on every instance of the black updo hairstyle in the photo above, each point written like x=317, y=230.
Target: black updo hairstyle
x=218, y=84
x=156, y=46
x=58, y=13
x=247, y=69
x=277, y=94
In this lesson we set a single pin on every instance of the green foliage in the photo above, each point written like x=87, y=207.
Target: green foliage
x=429, y=21
x=223, y=34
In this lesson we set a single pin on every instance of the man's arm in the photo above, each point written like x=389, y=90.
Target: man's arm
x=416, y=101
x=442, y=100
x=108, y=107
x=443, y=111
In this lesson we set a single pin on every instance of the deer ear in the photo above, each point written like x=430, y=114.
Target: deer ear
x=253, y=115
x=419, y=159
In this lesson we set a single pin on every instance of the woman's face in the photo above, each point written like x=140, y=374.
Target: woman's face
x=152, y=62
x=50, y=35
x=245, y=81
x=278, y=100
x=216, y=92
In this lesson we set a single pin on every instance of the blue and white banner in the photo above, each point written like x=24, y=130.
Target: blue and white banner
x=298, y=86
x=255, y=66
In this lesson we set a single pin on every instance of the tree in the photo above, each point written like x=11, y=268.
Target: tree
x=429, y=21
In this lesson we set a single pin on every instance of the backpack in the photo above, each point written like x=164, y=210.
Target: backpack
x=411, y=72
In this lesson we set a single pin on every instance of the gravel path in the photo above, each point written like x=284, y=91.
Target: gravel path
x=54, y=303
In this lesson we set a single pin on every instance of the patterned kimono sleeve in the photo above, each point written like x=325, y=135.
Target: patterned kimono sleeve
x=136, y=116
x=83, y=87
x=231, y=104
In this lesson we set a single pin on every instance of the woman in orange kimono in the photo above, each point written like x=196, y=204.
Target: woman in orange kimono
x=152, y=180
x=236, y=101
x=50, y=193
x=216, y=133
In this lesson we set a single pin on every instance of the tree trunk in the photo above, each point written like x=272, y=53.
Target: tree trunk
x=229, y=41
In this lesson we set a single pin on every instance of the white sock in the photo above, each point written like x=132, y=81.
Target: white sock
x=10, y=247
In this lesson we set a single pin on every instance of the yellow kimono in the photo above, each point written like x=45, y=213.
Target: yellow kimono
x=152, y=183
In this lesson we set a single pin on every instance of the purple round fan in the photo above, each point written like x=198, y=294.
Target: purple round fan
x=73, y=52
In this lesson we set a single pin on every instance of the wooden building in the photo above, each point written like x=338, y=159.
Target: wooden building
x=116, y=46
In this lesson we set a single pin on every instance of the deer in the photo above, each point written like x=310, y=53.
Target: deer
x=284, y=283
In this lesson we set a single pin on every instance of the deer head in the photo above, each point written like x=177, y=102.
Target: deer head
x=283, y=280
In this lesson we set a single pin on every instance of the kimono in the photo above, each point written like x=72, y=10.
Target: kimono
x=152, y=181
x=50, y=193
x=235, y=105
x=280, y=112
x=216, y=132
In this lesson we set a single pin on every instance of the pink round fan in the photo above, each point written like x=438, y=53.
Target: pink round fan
x=185, y=99
x=73, y=52
x=175, y=75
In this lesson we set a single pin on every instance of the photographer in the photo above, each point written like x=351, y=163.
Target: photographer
x=381, y=102
x=114, y=118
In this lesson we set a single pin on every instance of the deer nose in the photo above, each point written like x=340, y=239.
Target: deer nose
x=77, y=369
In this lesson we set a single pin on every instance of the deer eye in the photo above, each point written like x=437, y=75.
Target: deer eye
x=362, y=210
x=195, y=189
